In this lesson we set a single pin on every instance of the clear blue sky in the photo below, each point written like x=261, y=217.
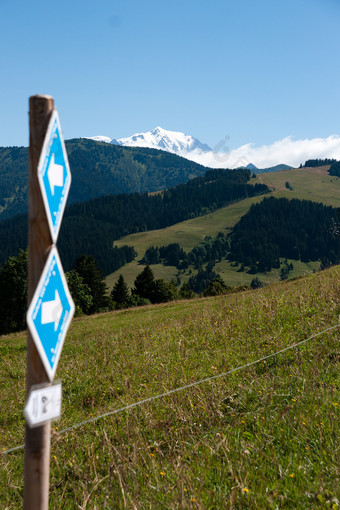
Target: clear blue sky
x=256, y=70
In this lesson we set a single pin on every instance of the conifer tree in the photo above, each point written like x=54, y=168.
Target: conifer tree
x=120, y=293
x=13, y=293
x=164, y=291
x=86, y=267
x=80, y=292
x=145, y=284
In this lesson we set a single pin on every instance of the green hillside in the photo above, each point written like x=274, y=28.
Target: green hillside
x=97, y=169
x=92, y=226
x=275, y=168
x=308, y=183
x=187, y=233
x=263, y=436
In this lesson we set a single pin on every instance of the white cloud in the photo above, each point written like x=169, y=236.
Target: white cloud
x=288, y=151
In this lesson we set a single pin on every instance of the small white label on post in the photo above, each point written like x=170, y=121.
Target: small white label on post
x=43, y=404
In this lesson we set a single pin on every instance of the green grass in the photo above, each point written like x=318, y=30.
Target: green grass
x=233, y=278
x=131, y=270
x=188, y=234
x=263, y=437
x=307, y=183
x=191, y=232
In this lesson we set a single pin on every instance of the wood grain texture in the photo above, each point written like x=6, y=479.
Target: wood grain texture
x=37, y=441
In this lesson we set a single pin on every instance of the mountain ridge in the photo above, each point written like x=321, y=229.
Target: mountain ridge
x=94, y=225
x=98, y=169
x=175, y=142
x=182, y=145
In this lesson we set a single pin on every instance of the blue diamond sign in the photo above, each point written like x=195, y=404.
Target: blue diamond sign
x=50, y=313
x=54, y=175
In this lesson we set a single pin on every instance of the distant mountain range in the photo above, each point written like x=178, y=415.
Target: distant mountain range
x=276, y=168
x=159, y=138
x=97, y=169
x=100, y=169
x=182, y=145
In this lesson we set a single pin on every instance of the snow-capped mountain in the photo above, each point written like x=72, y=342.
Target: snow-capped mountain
x=99, y=138
x=180, y=144
x=247, y=156
x=170, y=141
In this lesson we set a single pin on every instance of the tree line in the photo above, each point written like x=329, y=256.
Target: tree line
x=334, y=165
x=97, y=169
x=87, y=287
x=282, y=228
x=312, y=163
x=335, y=169
x=272, y=230
x=90, y=292
x=91, y=227
x=209, y=250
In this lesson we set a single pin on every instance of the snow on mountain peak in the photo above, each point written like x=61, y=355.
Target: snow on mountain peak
x=170, y=141
x=160, y=138
x=293, y=152
x=100, y=138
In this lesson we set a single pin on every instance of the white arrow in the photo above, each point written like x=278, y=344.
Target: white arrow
x=51, y=311
x=55, y=174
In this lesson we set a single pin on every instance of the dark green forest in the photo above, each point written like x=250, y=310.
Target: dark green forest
x=210, y=250
x=91, y=227
x=13, y=178
x=87, y=287
x=312, y=163
x=97, y=169
x=335, y=169
x=282, y=228
x=272, y=230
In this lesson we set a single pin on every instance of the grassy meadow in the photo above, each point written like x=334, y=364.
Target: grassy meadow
x=307, y=183
x=263, y=437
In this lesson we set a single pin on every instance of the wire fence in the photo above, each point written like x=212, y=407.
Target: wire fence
x=181, y=388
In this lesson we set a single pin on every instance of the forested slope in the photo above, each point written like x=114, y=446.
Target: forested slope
x=97, y=169
x=91, y=227
x=282, y=228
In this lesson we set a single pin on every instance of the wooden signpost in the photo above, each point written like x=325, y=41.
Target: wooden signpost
x=50, y=306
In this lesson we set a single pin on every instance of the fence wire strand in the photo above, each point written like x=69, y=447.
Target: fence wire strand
x=181, y=388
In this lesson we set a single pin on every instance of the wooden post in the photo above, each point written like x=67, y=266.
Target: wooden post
x=37, y=440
